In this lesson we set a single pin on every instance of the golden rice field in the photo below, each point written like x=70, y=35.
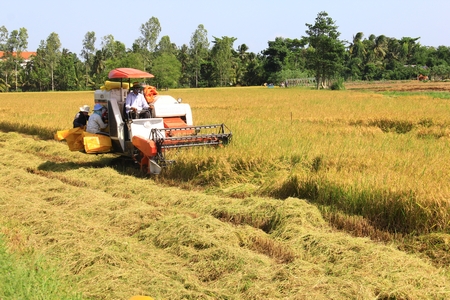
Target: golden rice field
x=374, y=164
x=383, y=157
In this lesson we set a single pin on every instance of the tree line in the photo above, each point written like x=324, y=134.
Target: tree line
x=320, y=53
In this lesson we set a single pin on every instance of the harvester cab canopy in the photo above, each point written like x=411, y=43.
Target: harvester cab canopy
x=128, y=73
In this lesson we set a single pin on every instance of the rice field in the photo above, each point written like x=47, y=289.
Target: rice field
x=373, y=164
x=383, y=157
x=380, y=156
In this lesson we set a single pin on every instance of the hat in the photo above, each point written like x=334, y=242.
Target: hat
x=136, y=85
x=85, y=108
x=98, y=106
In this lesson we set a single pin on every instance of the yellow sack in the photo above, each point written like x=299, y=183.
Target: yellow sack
x=75, y=140
x=96, y=143
x=73, y=137
x=109, y=85
x=63, y=134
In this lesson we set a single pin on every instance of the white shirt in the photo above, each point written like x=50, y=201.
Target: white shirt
x=135, y=100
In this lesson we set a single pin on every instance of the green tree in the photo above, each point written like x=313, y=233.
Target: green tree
x=166, y=46
x=113, y=52
x=66, y=72
x=254, y=74
x=357, y=48
x=145, y=45
x=443, y=54
x=441, y=72
x=380, y=47
x=99, y=71
x=241, y=65
x=356, y=56
x=284, y=55
x=439, y=56
x=375, y=59
x=167, y=70
x=208, y=73
x=420, y=56
x=408, y=49
x=185, y=61
x=3, y=37
x=325, y=52
x=369, y=45
x=199, y=47
x=150, y=32
x=38, y=78
x=107, y=45
x=275, y=55
x=4, y=86
x=15, y=44
x=5, y=62
x=87, y=53
x=222, y=59
x=130, y=60
x=295, y=59
x=52, y=55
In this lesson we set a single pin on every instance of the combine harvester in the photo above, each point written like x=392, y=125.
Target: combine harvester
x=147, y=140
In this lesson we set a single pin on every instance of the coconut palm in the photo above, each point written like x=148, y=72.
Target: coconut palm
x=380, y=47
x=356, y=56
x=357, y=48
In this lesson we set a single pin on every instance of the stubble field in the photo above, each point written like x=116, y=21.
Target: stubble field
x=321, y=194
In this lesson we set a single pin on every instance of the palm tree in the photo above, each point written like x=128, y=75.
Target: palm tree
x=241, y=63
x=357, y=48
x=380, y=47
x=408, y=48
x=357, y=55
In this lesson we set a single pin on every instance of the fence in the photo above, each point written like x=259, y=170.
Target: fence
x=309, y=81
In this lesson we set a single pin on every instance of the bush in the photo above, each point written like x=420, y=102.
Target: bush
x=338, y=84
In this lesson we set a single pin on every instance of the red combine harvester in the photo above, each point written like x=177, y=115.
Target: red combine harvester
x=146, y=140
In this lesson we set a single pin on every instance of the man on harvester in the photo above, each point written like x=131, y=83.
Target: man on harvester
x=136, y=105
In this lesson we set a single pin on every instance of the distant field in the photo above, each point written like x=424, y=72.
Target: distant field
x=404, y=86
x=374, y=160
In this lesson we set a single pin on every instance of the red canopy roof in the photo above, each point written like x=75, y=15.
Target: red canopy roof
x=129, y=73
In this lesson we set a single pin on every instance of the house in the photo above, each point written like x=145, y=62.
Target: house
x=26, y=56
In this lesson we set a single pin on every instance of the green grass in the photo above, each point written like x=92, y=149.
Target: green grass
x=30, y=277
x=431, y=94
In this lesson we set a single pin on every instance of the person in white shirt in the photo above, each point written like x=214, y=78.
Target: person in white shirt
x=95, y=123
x=135, y=104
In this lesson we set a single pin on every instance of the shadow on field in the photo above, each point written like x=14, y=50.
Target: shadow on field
x=66, y=166
x=122, y=165
x=42, y=133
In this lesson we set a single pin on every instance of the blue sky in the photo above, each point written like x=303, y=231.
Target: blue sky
x=253, y=23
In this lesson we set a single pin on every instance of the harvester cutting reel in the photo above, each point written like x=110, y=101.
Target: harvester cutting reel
x=151, y=152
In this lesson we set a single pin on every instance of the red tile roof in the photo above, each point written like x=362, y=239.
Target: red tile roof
x=25, y=54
